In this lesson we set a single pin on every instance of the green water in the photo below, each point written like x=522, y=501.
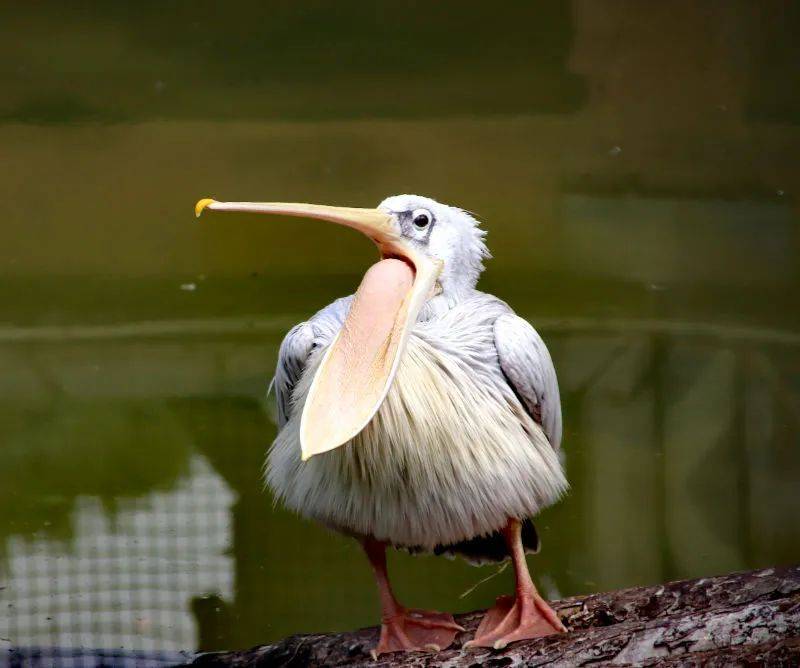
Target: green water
x=637, y=172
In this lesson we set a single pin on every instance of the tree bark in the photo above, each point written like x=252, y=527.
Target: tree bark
x=750, y=619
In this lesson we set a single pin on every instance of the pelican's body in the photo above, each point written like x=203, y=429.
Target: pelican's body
x=420, y=413
x=451, y=453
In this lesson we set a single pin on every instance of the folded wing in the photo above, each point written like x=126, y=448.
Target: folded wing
x=529, y=370
x=297, y=345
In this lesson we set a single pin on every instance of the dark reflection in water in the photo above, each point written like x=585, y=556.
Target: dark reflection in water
x=637, y=172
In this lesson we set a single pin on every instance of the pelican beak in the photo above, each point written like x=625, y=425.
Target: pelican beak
x=357, y=369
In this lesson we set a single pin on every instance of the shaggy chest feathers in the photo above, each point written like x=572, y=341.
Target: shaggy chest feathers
x=451, y=454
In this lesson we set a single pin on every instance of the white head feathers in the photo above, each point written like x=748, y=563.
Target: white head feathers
x=450, y=234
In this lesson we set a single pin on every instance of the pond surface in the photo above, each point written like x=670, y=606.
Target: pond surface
x=637, y=173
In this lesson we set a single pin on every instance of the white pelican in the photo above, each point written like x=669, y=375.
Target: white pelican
x=421, y=414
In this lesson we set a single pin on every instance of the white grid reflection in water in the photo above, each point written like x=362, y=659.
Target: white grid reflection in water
x=127, y=580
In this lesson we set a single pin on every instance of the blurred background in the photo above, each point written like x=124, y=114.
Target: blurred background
x=635, y=164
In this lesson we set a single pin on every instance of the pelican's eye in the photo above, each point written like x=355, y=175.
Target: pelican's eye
x=421, y=218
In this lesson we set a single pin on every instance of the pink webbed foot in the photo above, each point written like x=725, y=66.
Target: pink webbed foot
x=510, y=620
x=416, y=630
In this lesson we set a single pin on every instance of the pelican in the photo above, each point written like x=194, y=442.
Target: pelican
x=420, y=414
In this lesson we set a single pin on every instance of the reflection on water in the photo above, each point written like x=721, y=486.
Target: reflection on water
x=126, y=574
x=639, y=183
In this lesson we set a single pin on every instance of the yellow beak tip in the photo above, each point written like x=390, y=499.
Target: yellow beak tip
x=201, y=205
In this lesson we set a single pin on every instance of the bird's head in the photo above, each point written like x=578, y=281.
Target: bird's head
x=410, y=227
x=442, y=233
x=428, y=251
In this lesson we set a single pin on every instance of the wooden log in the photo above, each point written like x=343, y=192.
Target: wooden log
x=750, y=618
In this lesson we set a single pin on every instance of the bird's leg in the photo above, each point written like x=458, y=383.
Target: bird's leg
x=402, y=629
x=524, y=616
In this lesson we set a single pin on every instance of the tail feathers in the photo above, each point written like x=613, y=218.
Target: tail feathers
x=491, y=548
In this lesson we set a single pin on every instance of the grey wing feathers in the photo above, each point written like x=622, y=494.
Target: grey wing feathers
x=294, y=352
x=297, y=345
x=527, y=366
